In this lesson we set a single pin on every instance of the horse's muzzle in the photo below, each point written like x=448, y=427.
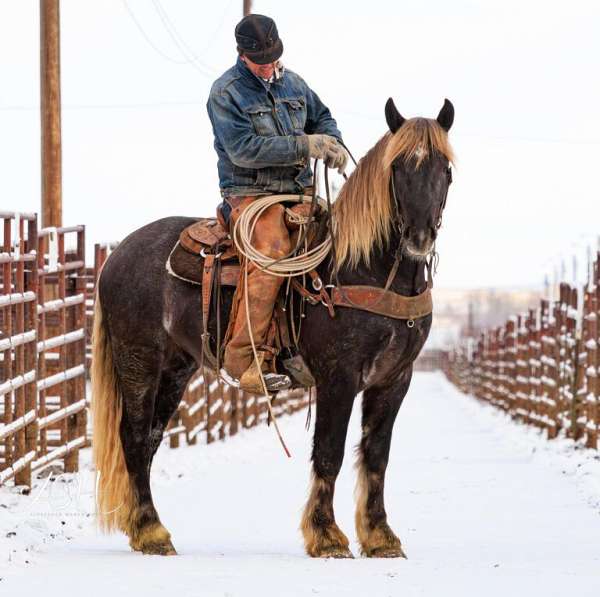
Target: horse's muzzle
x=419, y=243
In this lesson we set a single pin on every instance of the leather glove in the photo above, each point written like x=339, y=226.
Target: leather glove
x=326, y=148
x=338, y=159
x=320, y=145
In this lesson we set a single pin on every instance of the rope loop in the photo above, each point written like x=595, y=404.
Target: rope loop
x=288, y=267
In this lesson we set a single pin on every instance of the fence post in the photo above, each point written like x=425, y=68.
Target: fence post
x=31, y=353
x=592, y=401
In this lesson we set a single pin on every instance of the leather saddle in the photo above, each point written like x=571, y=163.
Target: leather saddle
x=207, y=236
x=210, y=236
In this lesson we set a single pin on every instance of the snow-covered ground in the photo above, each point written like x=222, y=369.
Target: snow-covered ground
x=483, y=506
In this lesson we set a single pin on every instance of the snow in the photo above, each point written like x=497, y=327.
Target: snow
x=482, y=505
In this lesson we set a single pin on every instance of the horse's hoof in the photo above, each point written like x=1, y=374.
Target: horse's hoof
x=160, y=549
x=387, y=552
x=380, y=542
x=153, y=540
x=338, y=552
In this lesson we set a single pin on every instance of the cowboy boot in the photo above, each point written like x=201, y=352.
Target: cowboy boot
x=251, y=381
x=271, y=238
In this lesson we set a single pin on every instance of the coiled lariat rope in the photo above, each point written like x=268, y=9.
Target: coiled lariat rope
x=286, y=267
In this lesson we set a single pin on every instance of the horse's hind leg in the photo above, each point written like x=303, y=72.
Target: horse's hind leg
x=322, y=536
x=380, y=407
x=139, y=376
x=173, y=381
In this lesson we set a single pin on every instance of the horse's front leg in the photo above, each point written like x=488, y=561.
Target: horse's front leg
x=380, y=407
x=322, y=536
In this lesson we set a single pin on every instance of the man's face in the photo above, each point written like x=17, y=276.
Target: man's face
x=264, y=71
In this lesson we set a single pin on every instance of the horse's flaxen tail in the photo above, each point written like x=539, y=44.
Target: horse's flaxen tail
x=116, y=499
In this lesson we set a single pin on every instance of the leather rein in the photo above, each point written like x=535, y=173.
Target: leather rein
x=374, y=299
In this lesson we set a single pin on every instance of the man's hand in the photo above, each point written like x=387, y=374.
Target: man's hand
x=326, y=148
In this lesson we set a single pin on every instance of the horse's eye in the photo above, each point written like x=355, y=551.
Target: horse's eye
x=449, y=174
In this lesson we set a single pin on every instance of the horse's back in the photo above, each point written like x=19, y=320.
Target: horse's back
x=156, y=237
x=144, y=251
x=133, y=279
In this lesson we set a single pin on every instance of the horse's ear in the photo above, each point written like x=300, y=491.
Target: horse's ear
x=393, y=118
x=446, y=116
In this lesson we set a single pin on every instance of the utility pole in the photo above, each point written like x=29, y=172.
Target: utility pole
x=50, y=113
x=247, y=7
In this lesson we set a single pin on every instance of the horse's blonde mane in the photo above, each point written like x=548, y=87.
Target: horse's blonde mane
x=363, y=209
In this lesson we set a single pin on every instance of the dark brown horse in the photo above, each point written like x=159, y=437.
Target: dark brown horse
x=147, y=343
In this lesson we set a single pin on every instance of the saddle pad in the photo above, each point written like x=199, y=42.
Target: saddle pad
x=187, y=266
x=206, y=232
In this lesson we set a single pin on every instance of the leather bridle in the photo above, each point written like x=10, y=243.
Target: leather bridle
x=433, y=257
x=443, y=203
x=438, y=218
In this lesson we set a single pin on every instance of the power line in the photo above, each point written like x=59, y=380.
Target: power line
x=190, y=58
x=138, y=105
x=167, y=104
x=218, y=28
x=148, y=39
x=529, y=139
x=181, y=44
x=521, y=139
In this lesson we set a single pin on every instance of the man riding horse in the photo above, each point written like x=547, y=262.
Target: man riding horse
x=267, y=124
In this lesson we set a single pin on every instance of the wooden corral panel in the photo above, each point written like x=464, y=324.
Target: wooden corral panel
x=540, y=367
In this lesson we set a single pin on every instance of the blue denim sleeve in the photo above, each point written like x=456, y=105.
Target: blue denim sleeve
x=234, y=129
x=318, y=117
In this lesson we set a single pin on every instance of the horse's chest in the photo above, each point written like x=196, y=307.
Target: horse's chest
x=398, y=348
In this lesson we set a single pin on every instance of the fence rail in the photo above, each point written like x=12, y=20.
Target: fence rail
x=46, y=318
x=541, y=367
x=211, y=410
x=42, y=347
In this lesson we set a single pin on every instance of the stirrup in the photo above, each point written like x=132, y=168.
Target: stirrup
x=299, y=370
x=251, y=381
x=274, y=382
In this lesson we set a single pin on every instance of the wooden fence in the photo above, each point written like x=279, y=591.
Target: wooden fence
x=46, y=318
x=541, y=367
x=212, y=411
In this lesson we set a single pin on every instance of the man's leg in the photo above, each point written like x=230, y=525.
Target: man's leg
x=271, y=238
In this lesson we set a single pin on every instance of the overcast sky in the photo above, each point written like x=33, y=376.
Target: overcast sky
x=137, y=144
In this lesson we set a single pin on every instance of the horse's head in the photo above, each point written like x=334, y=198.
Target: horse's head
x=420, y=158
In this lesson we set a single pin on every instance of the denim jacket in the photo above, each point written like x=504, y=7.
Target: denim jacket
x=260, y=131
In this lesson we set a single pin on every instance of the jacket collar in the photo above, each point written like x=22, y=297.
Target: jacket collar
x=251, y=79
